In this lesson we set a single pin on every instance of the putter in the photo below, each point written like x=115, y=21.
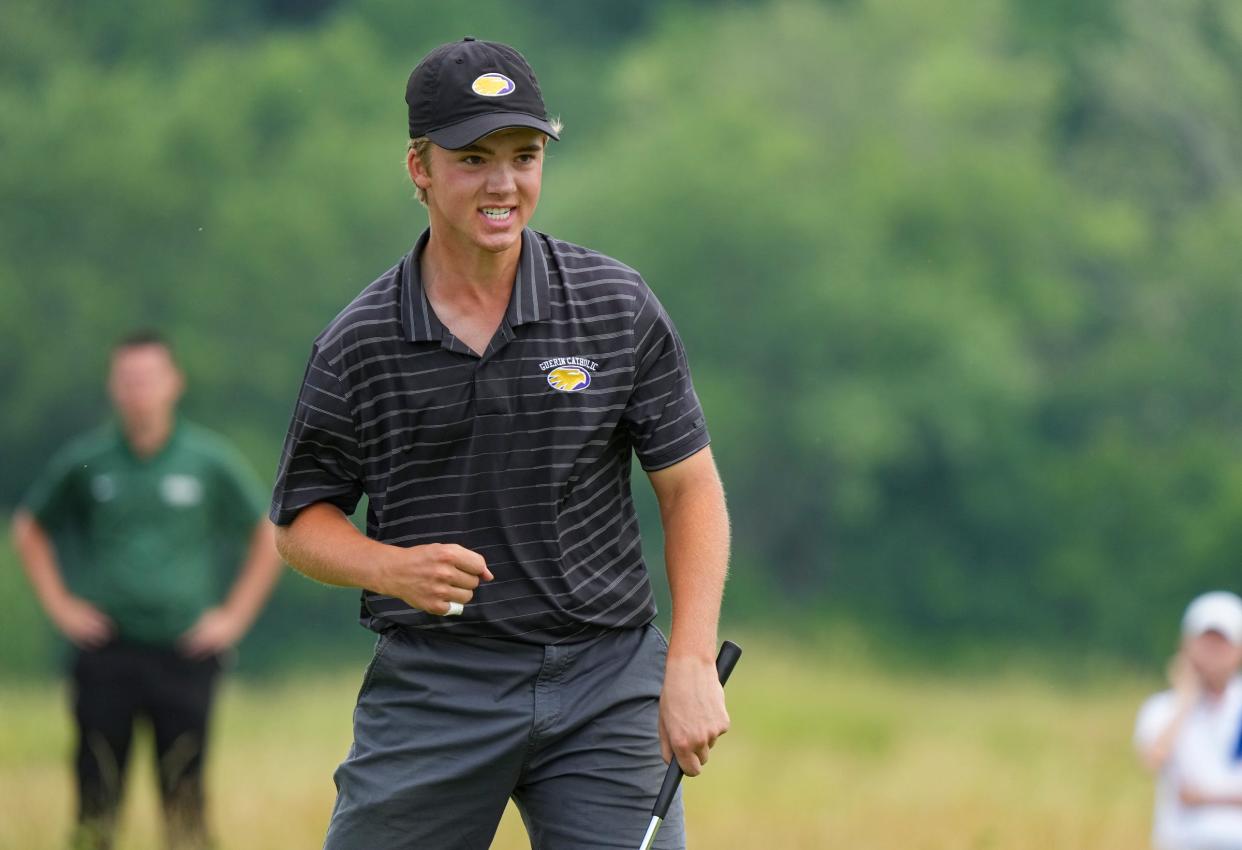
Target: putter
x=729, y=654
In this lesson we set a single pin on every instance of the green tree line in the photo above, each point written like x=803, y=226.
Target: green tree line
x=958, y=279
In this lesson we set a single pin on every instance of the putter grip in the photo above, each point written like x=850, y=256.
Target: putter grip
x=729, y=654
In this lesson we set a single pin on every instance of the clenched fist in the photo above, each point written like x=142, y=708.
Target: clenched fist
x=430, y=577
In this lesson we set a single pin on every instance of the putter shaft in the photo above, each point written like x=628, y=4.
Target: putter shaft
x=652, y=829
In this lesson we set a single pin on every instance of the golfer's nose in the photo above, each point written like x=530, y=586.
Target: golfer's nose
x=500, y=180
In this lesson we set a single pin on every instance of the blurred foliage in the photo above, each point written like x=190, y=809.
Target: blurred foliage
x=957, y=278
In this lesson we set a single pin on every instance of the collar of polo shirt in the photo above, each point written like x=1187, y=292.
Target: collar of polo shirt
x=529, y=302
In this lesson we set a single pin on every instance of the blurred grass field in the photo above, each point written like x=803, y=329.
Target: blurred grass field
x=826, y=751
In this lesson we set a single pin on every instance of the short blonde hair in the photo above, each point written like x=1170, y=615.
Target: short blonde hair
x=422, y=147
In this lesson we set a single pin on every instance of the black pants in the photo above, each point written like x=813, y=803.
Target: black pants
x=112, y=688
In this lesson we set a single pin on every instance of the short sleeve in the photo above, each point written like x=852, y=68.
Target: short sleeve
x=54, y=498
x=239, y=498
x=1153, y=718
x=663, y=414
x=320, y=461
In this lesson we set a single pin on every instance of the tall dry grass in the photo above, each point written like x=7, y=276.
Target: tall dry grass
x=826, y=752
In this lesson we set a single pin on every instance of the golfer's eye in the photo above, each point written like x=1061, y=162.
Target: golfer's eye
x=472, y=159
x=526, y=158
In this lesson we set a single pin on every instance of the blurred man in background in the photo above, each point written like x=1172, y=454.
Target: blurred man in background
x=1191, y=735
x=488, y=394
x=123, y=538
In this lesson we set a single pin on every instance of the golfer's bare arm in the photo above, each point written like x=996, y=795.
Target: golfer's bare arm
x=80, y=621
x=324, y=545
x=696, y=555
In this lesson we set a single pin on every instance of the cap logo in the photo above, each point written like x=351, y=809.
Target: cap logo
x=492, y=85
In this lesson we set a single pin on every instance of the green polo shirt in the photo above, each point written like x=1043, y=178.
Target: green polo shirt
x=153, y=542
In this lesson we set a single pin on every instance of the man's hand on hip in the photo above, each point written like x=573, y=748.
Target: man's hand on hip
x=215, y=631
x=430, y=577
x=81, y=622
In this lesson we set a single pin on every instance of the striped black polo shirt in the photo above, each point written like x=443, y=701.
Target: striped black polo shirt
x=522, y=454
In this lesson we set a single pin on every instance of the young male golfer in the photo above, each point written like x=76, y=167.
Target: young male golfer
x=486, y=394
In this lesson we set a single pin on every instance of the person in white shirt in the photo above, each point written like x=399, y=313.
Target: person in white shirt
x=1190, y=736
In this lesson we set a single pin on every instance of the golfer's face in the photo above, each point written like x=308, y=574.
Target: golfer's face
x=483, y=195
x=144, y=383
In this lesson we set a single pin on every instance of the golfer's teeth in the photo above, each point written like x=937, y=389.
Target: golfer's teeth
x=497, y=213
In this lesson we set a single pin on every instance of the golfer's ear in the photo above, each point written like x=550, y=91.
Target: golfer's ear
x=418, y=171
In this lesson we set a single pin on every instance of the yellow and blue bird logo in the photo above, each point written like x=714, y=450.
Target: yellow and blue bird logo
x=492, y=85
x=569, y=379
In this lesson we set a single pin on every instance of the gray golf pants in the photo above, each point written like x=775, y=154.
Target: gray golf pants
x=447, y=729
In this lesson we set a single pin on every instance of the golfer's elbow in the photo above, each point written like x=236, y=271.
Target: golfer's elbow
x=305, y=533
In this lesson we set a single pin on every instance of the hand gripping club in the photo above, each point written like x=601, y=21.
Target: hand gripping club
x=729, y=654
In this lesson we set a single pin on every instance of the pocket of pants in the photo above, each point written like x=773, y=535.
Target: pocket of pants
x=660, y=637
x=381, y=646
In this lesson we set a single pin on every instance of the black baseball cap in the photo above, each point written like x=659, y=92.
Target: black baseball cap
x=464, y=90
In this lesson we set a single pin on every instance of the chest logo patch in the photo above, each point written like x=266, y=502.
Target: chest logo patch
x=569, y=374
x=181, y=491
x=103, y=488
